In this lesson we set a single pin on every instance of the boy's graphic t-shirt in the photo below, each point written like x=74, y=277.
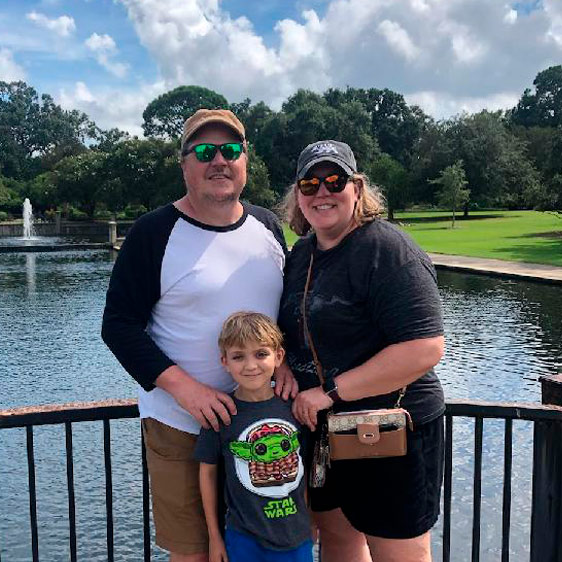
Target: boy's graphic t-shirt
x=265, y=482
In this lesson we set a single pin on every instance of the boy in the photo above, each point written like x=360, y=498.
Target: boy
x=267, y=518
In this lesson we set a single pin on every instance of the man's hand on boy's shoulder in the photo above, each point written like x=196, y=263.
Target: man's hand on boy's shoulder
x=206, y=404
x=286, y=385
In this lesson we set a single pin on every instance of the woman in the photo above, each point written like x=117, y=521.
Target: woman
x=374, y=315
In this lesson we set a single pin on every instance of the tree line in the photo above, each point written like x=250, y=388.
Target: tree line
x=510, y=159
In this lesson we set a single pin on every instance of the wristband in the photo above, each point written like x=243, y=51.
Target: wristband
x=331, y=389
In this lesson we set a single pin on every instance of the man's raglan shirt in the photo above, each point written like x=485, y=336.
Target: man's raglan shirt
x=174, y=283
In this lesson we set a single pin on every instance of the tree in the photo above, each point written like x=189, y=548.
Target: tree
x=432, y=153
x=10, y=194
x=544, y=147
x=164, y=117
x=453, y=193
x=80, y=179
x=107, y=139
x=42, y=191
x=394, y=124
x=496, y=162
x=393, y=178
x=544, y=107
x=144, y=172
x=258, y=190
x=31, y=128
x=252, y=117
x=306, y=117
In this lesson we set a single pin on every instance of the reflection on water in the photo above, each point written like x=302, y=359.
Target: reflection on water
x=30, y=273
x=501, y=336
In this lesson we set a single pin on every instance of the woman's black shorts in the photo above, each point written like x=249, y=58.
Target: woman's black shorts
x=395, y=497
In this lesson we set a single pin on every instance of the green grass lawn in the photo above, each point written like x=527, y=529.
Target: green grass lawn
x=526, y=236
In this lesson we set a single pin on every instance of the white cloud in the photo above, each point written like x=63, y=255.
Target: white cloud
x=398, y=39
x=104, y=48
x=554, y=9
x=111, y=108
x=63, y=25
x=407, y=45
x=446, y=55
x=442, y=105
x=101, y=43
x=10, y=71
x=510, y=16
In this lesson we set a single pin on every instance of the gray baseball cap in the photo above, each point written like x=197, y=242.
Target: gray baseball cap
x=326, y=151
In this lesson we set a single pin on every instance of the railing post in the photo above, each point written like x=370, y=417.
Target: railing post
x=546, y=516
x=112, y=232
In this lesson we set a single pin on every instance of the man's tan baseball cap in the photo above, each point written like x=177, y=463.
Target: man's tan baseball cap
x=203, y=117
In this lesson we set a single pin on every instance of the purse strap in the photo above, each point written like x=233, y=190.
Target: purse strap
x=308, y=335
x=317, y=364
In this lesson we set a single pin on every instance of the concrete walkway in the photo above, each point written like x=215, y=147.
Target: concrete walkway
x=500, y=268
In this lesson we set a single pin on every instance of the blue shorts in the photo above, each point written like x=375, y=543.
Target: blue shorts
x=242, y=548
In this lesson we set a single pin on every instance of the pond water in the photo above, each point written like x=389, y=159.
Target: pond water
x=501, y=336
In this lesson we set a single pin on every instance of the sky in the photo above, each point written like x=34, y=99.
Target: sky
x=110, y=58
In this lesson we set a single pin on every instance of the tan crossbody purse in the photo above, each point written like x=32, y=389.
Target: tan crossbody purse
x=361, y=434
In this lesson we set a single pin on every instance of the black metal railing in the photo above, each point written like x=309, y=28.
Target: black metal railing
x=546, y=511
x=545, y=523
x=67, y=414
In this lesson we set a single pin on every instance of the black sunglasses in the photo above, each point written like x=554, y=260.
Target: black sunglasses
x=335, y=183
x=205, y=152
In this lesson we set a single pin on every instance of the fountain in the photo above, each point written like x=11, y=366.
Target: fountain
x=44, y=241
x=28, y=230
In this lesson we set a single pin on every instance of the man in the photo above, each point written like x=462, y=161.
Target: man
x=181, y=271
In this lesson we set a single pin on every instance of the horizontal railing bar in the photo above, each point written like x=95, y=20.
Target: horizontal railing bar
x=127, y=408
x=73, y=412
x=529, y=411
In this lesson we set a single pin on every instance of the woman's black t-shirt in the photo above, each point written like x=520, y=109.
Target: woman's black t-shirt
x=374, y=289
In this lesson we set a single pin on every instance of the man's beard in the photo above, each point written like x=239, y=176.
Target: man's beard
x=225, y=198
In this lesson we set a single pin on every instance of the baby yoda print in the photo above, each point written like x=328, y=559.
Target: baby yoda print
x=270, y=450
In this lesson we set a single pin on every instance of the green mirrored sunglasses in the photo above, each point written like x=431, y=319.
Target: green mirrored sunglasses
x=205, y=152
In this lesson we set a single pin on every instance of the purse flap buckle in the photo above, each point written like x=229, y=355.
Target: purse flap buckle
x=368, y=433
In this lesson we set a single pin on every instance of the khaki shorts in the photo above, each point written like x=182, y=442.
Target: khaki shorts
x=174, y=484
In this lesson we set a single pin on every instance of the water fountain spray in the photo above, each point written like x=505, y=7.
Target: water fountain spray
x=28, y=230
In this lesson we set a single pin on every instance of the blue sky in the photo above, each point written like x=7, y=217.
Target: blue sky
x=110, y=58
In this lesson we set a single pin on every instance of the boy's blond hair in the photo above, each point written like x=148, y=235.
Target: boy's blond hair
x=243, y=327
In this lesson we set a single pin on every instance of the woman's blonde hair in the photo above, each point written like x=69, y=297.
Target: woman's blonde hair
x=369, y=205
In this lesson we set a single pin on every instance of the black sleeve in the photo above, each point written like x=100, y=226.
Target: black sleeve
x=407, y=306
x=270, y=221
x=208, y=447
x=134, y=288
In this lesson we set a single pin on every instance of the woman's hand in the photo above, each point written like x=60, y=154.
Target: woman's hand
x=285, y=383
x=308, y=403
